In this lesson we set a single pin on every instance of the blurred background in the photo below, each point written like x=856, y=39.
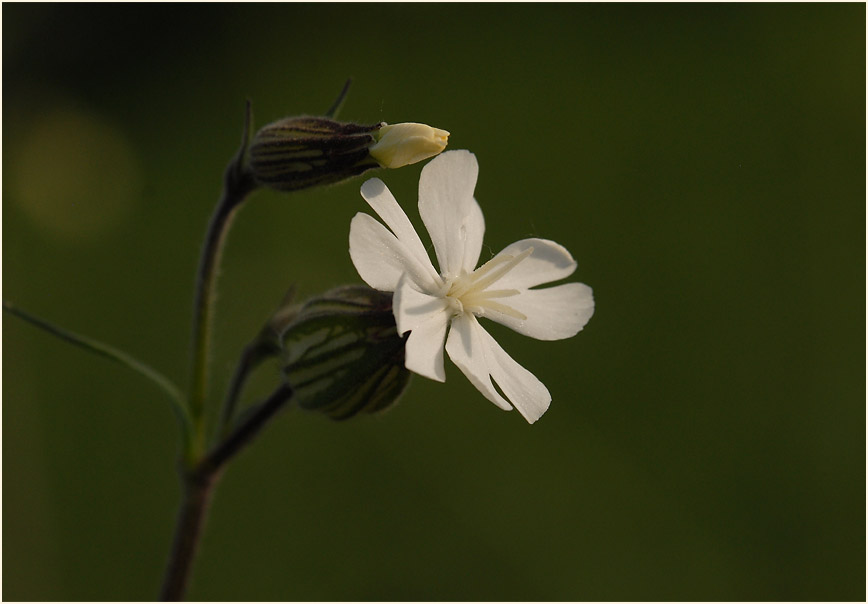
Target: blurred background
x=704, y=164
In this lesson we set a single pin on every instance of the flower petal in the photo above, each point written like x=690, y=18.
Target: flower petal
x=521, y=387
x=474, y=229
x=380, y=258
x=553, y=313
x=548, y=262
x=412, y=307
x=468, y=350
x=447, y=207
x=381, y=200
x=425, y=317
x=423, y=352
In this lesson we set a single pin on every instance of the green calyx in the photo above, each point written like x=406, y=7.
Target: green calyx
x=343, y=355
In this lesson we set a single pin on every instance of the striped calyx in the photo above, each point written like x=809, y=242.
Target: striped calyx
x=300, y=152
x=343, y=354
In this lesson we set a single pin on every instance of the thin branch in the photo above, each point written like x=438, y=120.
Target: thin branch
x=245, y=432
x=336, y=106
x=251, y=357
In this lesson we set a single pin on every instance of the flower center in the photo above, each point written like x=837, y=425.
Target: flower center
x=469, y=292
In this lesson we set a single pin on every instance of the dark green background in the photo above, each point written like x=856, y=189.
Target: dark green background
x=704, y=164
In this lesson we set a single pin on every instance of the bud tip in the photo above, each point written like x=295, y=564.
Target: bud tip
x=407, y=143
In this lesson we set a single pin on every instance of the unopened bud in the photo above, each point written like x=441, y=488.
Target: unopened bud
x=403, y=144
x=343, y=354
x=299, y=152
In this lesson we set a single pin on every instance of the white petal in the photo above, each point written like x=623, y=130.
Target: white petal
x=380, y=258
x=412, y=307
x=521, y=387
x=553, y=313
x=480, y=357
x=474, y=228
x=468, y=350
x=447, y=206
x=386, y=206
x=548, y=262
x=423, y=352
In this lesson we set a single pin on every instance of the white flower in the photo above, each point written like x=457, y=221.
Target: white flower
x=427, y=302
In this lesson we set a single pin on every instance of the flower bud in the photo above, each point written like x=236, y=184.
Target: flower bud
x=299, y=152
x=343, y=354
x=403, y=144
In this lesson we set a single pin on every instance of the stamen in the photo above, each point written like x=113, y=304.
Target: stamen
x=497, y=293
x=485, y=268
x=511, y=264
x=501, y=308
x=465, y=282
x=478, y=302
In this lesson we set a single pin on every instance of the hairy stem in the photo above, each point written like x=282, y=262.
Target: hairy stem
x=238, y=183
x=203, y=310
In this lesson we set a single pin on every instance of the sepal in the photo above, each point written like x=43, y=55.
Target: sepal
x=343, y=355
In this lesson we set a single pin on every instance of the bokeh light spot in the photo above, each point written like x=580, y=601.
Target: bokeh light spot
x=74, y=174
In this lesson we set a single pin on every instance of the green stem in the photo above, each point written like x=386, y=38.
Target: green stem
x=109, y=352
x=252, y=355
x=265, y=345
x=247, y=430
x=200, y=472
x=238, y=183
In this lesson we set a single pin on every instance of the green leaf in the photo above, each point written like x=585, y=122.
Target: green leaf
x=104, y=350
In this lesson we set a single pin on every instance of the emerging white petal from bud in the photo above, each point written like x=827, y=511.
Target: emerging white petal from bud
x=403, y=144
